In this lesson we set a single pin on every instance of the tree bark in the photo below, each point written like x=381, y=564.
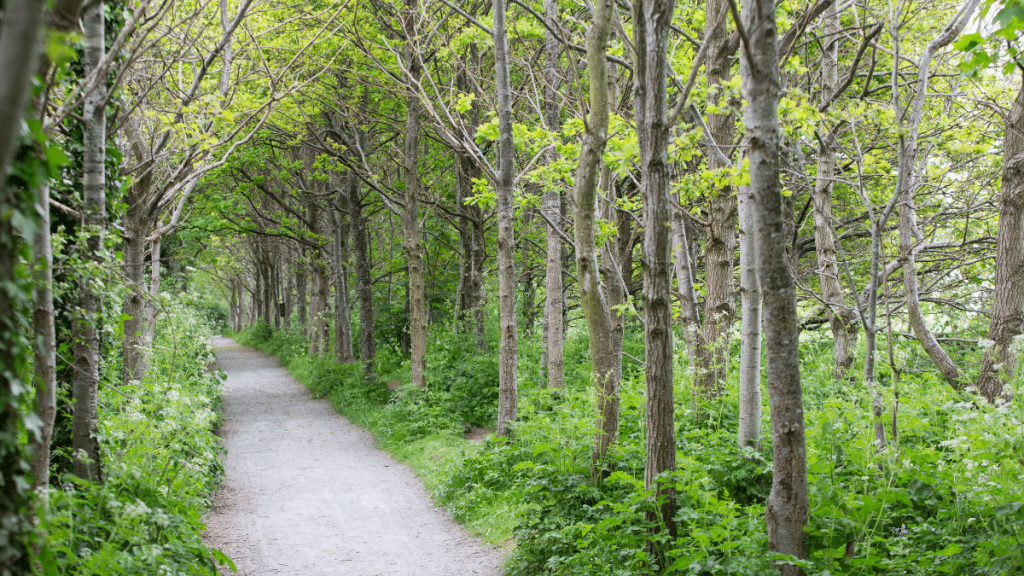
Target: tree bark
x=605, y=363
x=44, y=346
x=842, y=318
x=787, y=508
x=906, y=183
x=412, y=241
x=689, y=315
x=85, y=383
x=1007, y=317
x=19, y=51
x=719, y=305
x=554, y=328
x=651, y=21
x=749, y=431
x=342, y=315
x=508, y=350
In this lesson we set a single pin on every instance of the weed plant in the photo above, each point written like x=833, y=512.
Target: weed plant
x=160, y=462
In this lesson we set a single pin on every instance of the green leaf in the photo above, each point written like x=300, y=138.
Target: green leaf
x=950, y=550
x=969, y=42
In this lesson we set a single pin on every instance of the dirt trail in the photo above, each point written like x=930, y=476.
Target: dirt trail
x=308, y=493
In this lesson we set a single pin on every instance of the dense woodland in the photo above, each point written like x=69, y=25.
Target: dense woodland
x=739, y=287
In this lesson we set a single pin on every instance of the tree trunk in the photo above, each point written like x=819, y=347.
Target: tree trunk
x=689, y=314
x=749, y=432
x=719, y=305
x=554, y=329
x=412, y=242
x=19, y=50
x=605, y=363
x=342, y=314
x=85, y=383
x=364, y=279
x=508, y=350
x=301, y=281
x=1007, y=319
x=44, y=346
x=906, y=182
x=651, y=21
x=787, y=508
x=841, y=318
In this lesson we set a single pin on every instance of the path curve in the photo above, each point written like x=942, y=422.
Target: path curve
x=308, y=493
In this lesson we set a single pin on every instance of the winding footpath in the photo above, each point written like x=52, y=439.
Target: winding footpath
x=308, y=493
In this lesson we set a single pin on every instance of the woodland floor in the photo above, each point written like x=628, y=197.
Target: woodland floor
x=307, y=492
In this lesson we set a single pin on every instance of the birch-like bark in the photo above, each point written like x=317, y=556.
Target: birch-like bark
x=787, y=509
x=85, y=326
x=508, y=350
x=749, y=430
x=1007, y=318
x=44, y=346
x=651, y=21
x=605, y=363
x=689, y=315
x=554, y=328
x=842, y=318
x=412, y=241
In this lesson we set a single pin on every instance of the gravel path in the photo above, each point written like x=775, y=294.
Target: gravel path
x=308, y=493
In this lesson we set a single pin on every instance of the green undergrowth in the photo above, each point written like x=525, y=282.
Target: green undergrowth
x=943, y=497
x=160, y=463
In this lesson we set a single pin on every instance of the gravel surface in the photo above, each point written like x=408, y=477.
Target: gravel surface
x=308, y=493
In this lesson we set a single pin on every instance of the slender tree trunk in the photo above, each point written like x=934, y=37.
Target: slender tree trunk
x=787, y=508
x=689, y=314
x=301, y=282
x=508, y=350
x=289, y=286
x=749, y=432
x=1007, y=319
x=907, y=181
x=554, y=329
x=651, y=21
x=719, y=304
x=137, y=225
x=342, y=315
x=275, y=285
x=364, y=279
x=842, y=318
x=604, y=362
x=44, y=346
x=85, y=383
x=412, y=241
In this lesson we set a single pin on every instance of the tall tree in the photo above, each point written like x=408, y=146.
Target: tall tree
x=86, y=379
x=651, y=22
x=508, y=350
x=412, y=241
x=1007, y=316
x=605, y=360
x=787, y=508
